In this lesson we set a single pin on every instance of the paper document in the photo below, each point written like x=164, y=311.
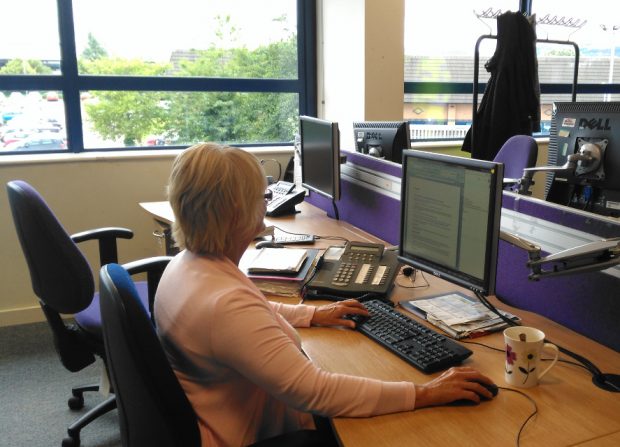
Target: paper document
x=458, y=315
x=454, y=309
x=287, y=260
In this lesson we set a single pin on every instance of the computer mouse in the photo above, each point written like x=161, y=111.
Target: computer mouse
x=268, y=244
x=467, y=403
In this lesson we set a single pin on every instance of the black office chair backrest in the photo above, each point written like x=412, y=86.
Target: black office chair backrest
x=60, y=274
x=153, y=408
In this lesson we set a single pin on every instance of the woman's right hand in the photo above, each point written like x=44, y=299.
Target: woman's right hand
x=454, y=384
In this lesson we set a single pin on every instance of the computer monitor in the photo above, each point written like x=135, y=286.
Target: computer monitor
x=586, y=128
x=450, y=217
x=320, y=156
x=383, y=139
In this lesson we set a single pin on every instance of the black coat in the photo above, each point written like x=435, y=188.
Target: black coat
x=511, y=101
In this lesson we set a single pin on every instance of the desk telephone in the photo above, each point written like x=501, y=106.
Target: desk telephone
x=356, y=269
x=284, y=198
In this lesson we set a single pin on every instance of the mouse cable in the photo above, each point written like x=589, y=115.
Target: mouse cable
x=532, y=414
x=608, y=382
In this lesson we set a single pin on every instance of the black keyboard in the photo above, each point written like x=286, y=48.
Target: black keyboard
x=418, y=345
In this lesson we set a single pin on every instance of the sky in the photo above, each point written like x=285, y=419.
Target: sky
x=430, y=26
x=152, y=29
x=146, y=29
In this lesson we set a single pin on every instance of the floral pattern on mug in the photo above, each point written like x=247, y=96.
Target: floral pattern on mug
x=510, y=358
x=531, y=359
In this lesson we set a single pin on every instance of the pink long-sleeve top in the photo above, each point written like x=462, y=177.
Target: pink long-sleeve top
x=239, y=359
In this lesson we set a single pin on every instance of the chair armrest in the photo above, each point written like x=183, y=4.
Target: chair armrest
x=147, y=265
x=510, y=181
x=154, y=268
x=107, y=237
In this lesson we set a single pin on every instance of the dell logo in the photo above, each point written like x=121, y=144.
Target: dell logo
x=374, y=136
x=594, y=124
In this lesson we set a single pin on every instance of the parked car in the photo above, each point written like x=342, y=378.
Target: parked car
x=13, y=135
x=52, y=96
x=38, y=142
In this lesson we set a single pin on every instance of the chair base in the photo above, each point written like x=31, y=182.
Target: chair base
x=73, y=440
x=76, y=401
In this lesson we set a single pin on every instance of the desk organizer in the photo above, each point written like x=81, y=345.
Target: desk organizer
x=588, y=303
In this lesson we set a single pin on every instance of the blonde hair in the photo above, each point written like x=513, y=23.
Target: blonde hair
x=215, y=192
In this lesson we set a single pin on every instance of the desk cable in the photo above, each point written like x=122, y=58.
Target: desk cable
x=262, y=163
x=336, y=238
x=607, y=382
x=411, y=273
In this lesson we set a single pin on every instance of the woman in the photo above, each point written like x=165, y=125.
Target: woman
x=236, y=354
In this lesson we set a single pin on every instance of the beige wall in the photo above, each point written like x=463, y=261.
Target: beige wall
x=361, y=62
x=87, y=191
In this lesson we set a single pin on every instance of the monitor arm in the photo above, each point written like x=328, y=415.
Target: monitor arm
x=587, y=160
x=593, y=256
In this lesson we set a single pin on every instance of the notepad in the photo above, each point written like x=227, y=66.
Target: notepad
x=278, y=260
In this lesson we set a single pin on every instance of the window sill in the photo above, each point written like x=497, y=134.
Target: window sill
x=94, y=156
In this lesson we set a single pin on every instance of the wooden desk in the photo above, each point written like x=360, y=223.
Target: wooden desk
x=571, y=410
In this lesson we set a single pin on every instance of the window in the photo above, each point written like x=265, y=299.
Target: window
x=148, y=73
x=440, y=48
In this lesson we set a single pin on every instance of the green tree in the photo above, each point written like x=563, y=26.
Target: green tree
x=26, y=67
x=126, y=115
x=238, y=117
x=93, y=49
x=201, y=116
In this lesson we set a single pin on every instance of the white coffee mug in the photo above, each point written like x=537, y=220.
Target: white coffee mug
x=524, y=346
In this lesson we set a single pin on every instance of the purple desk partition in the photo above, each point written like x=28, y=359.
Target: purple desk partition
x=365, y=205
x=588, y=303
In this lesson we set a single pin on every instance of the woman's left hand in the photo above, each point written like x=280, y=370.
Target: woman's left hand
x=332, y=314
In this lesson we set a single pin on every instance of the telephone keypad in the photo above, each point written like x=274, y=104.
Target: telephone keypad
x=344, y=273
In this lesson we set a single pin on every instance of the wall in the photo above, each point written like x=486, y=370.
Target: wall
x=361, y=78
x=87, y=191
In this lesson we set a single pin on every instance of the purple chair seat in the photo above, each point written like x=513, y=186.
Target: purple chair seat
x=90, y=318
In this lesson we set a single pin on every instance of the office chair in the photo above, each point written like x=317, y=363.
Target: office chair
x=153, y=408
x=63, y=282
x=517, y=153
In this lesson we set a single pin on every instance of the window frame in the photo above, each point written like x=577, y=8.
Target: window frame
x=71, y=83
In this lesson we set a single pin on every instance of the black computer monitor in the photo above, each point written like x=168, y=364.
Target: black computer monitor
x=450, y=217
x=320, y=156
x=579, y=126
x=383, y=139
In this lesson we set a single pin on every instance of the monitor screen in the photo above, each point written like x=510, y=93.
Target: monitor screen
x=592, y=126
x=383, y=139
x=320, y=156
x=450, y=217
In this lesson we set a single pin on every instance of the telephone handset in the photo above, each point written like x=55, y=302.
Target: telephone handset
x=284, y=198
x=354, y=270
